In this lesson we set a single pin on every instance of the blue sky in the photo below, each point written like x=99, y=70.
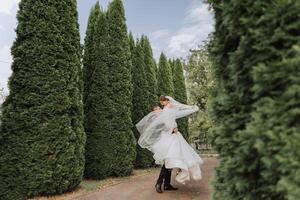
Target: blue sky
x=173, y=27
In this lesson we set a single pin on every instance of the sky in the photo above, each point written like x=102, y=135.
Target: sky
x=173, y=27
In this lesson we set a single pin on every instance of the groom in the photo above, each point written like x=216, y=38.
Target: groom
x=165, y=174
x=165, y=177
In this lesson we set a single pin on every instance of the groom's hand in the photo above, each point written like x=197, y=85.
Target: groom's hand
x=175, y=130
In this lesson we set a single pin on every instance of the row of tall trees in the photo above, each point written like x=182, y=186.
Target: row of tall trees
x=61, y=120
x=99, y=95
x=255, y=104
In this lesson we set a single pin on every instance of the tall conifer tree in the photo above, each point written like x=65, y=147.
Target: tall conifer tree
x=97, y=102
x=131, y=45
x=120, y=82
x=41, y=137
x=180, y=94
x=89, y=51
x=164, y=77
x=150, y=69
x=140, y=102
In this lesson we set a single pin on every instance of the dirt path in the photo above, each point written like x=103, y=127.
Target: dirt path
x=143, y=188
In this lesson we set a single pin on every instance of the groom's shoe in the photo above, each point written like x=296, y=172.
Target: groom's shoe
x=158, y=188
x=169, y=187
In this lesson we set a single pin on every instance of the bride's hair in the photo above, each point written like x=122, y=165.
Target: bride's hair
x=163, y=98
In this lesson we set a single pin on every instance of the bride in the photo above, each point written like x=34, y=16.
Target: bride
x=168, y=146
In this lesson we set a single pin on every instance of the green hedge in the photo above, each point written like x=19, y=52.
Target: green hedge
x=41, y=137
x=255, y=104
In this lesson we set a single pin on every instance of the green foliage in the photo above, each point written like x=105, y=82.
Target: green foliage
x=2, y=99
x=119, y=65
x=255, y=104
x=172, y=64
x=199, y=83
x=89, y=53
x=164, y=77
x=144, y=90
x=41, y=136
x=131, y=46
x=155, y=72
x=97, y=103
x=180, y=94
x=140, y=102
x=151, y=71
x=274, y=127
x=2, y=95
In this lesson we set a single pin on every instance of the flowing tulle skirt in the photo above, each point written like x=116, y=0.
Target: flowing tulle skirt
x=173, y=151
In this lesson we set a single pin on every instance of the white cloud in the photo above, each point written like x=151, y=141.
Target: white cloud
x=8, y=22
x=197, y=11
x=198, y=23
x=159, y=39
x=2, y=28
x=8, y=5
x=179, y=41
x=5, y=63
x=159, y=34
x=195, y=28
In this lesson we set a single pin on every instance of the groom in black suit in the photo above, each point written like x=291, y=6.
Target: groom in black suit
x=165, y=176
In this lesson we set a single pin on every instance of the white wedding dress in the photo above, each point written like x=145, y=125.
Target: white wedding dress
x=170, y=148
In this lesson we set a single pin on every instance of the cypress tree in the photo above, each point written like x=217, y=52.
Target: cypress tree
x=97, y=103
x=140, y=101
x=274, y=127
x=172, y=63
x=150, y=70
x=231, y=100
x=180, y=94
x=41, y=137
x=131, y=46
x=156, y=70
x=89, y=54
x=164, y=77
x=254, y=104
x=119, y=64
x=156, y=74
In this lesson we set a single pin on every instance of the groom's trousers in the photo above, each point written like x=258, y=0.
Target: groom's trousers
x=164, y=176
